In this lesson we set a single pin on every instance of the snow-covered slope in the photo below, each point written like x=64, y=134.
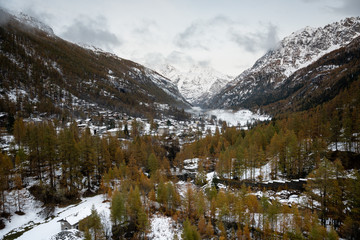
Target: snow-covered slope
x=165, y=84
x=196, y=83
x=34, y=23
x=26, y=20
x=294, y=52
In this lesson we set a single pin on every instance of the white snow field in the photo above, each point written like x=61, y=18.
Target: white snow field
x=233, y=118
x=163, y=228
x=44, y=229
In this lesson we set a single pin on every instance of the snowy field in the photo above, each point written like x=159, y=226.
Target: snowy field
x=255, y=173
x=343, y=146
x=37, y=227
x=33, y=226
x=238, y=118
x=164, y=228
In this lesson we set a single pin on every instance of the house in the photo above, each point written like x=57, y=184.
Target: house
x=163, y=130
x=65, y=225
x=72, y=221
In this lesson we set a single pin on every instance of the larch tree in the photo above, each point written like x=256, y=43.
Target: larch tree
x=49, y=148
x=19, y=199
x=189, y=202
x=87, y=155
x=92, y=225
x=136, y=212
x=190, y=232
x=19, y=131
x=118, y=209
x=69, y=155
x=5, y=167
x=323, y=188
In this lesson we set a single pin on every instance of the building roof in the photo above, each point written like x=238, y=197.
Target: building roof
x=76, y=217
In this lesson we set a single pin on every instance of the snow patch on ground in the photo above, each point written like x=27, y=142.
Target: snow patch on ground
x=191, y=164
x=163, y=228
x=233, y=118
x=343, y=146
x=241, y=117
x=5, y=142
x=44, y=229
x=255, y=173
x=30, y=207
x=71, y=234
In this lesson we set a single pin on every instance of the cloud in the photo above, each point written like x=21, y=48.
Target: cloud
x=29, y=8
x=154, y=59
x=189, y=38
x=200, y=34
x=145, y=27
x=93, y=32
x=260, y=40
x=146, y=32
x=4, y=16
x=204, y=63
x=310, y=1
x=204, y=35
x=178, y=59
x=40, y=15
x=350, y=7
x=175, y=58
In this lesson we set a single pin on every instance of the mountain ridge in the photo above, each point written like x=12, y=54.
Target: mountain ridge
x=195, y=83
x=320, y=81
x=294, y=52
x=49, y=71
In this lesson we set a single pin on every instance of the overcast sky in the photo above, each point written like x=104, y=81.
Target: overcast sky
x=228, y=35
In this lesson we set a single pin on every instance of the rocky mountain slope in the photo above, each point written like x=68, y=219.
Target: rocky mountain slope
x=196, y=84
x=319, y=82
x=41, y=72
x=258, y=85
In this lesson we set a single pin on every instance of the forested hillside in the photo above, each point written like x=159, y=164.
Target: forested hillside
x=317, y=83
x=42, y=73
x=319, y=144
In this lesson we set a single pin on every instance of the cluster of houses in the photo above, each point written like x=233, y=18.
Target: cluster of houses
x=106, y=122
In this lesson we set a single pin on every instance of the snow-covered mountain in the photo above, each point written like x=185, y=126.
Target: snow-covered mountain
x=294, y=52
x=197, y=83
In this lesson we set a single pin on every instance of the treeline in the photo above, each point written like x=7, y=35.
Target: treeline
x=209, y=213
x=65, y=161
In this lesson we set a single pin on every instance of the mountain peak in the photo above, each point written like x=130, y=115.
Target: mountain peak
x=26, y=20
x=294, y=52
x=34, y=22
x=196, y=81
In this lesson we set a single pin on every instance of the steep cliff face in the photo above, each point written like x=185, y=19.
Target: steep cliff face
x=255, y=86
